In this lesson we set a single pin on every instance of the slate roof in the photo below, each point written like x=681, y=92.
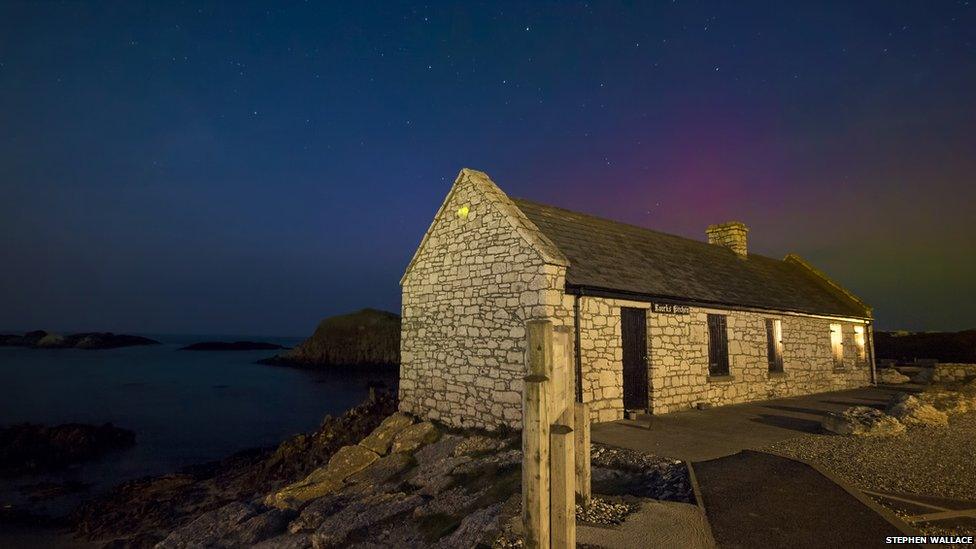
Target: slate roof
x=613, y=256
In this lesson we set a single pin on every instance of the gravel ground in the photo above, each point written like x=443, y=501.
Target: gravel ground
x=930, y=461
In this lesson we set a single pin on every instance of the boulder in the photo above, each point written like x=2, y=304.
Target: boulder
x=862, y=421
x=382, y=437
x=891, y=376
x=415, y=436
x=950, y=402
x=912, y=411
x=324, y=480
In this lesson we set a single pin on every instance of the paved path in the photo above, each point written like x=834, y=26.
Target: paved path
x=753, y=499
x=697, y=435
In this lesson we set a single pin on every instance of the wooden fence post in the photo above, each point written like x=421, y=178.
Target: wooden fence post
x=563, y=493
x=535, y=436
x=582, y=447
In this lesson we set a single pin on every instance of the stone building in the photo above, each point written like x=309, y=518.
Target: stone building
x=659, y=322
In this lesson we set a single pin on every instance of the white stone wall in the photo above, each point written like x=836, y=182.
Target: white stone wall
x=947, y=373
x=678, y=357
x=473, y=284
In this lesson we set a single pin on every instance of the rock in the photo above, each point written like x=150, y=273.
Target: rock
x=262, y=527
x=442, y=449
x=361, y=515
x=912, y=411
x=479, y=444
x=950, y=402
x=382, y=437
x=290, y=541
x=862, y=421
x=365, y=338
x=381, y=471
x=324, y=480
x=208, y=529
x=317, y=511
x=31, y=448
x=449, y=502
x=232, y=346
x=415, y=436
x=474, y=529
x=891, y=376
x=923, y=376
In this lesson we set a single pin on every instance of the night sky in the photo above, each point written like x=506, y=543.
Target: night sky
x=242, y=168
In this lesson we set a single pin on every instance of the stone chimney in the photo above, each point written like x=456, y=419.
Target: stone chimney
x=732, y=235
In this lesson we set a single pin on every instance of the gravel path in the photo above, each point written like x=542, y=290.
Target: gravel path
x=930, y=461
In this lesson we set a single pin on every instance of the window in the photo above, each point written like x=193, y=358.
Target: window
x=774, y=344
x=859, y=343
x=837, y=345
x=718, y=346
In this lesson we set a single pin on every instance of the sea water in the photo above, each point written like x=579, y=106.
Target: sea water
x=186, y=407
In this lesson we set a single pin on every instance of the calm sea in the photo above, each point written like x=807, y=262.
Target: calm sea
x=186, y=407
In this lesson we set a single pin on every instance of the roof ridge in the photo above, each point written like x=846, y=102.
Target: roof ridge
x=639, y=227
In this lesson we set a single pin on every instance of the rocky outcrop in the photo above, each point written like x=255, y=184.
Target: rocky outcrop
x=29, y=448
x=911, y=411
x=415, y=436
x=862, y=421
x=365, y=338
x=891, y=376
x=380, y=440
x=324, y=480
x=88, y=340
x=232, y=346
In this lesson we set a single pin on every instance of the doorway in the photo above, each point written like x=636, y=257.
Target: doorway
x=633, y=334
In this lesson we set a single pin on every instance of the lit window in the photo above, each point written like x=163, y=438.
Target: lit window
x=774, y=344
x=837, y=345
x=859, y=342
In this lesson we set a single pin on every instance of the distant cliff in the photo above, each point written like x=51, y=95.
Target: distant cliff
x=89, y=340
x=365, y=338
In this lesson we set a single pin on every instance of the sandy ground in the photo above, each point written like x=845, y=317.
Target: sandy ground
x=655, y=524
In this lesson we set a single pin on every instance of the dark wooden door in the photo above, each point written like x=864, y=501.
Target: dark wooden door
x=718, y=346
x=633, y=333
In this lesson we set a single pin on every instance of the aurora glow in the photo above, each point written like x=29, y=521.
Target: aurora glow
x=251, y=168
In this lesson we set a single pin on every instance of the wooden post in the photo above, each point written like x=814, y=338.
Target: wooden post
x=582, y=447
x=535, y=436
x=563, y=479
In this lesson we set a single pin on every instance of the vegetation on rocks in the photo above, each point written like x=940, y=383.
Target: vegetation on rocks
x=365, y=338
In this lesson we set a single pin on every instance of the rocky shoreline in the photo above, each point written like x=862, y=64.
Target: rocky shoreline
x=370, y=477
